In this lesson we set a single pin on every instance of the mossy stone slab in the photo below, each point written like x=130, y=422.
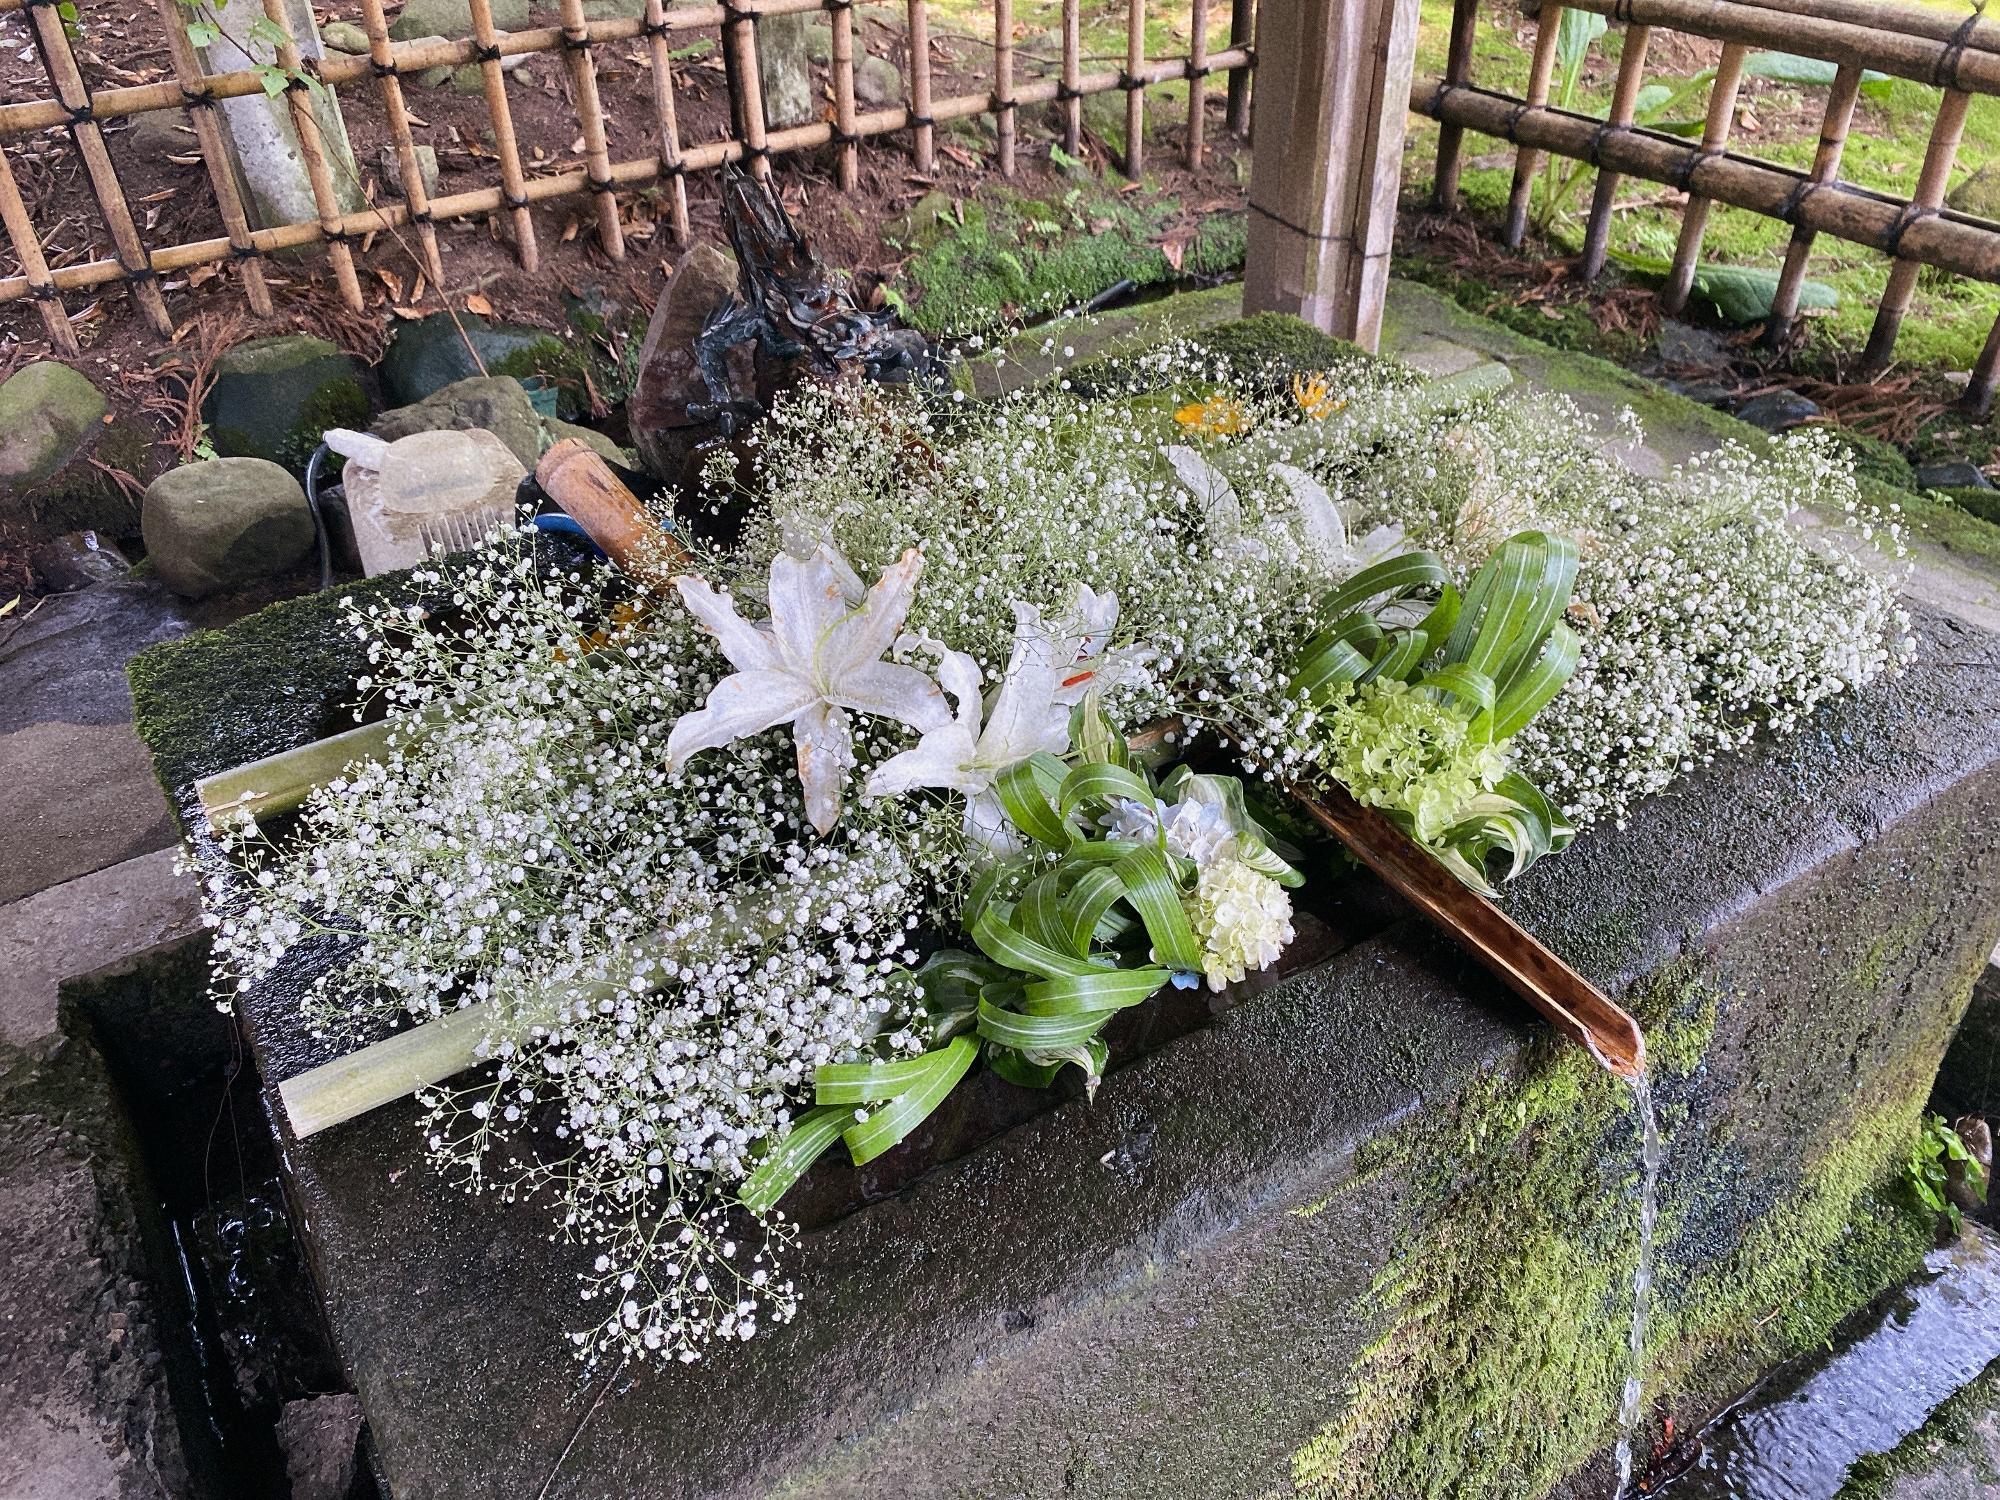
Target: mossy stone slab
x=273, y=398
x=49, y=414
x=433, y=352
x=1189, y=1287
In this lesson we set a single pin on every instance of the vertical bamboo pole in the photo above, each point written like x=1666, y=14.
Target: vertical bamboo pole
x=1527, y=160
x=214, y=153
x=925, y=135
x=1072, y=75
x=1624, y=99
x=664, y=107
x=741, y=34
x=847, y=163
x=28, y=250
x=1003, y=82
x=1197, y=79
x=513, y=185
x=1985, y=374
x=1457, y=73
x=74, y=95
x=1826, y=166
x=312, y=151
x=590, y=115
x=1714, y=137
x=1242, y=35
x=1936, y=172
x=415, y=195
x=1135, y=93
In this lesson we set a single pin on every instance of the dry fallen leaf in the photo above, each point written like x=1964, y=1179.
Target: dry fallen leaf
x=409, y=313
x=391, y=282
x=474, y=303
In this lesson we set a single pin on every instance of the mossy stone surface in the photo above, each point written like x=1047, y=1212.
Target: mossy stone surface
x=49, y=414
x=433, y=352
x=274, y=397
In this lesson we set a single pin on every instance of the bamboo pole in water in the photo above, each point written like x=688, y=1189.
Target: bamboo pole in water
x=1527, y=160
x=590, y=115
x=34, y=267
x=1714, y=137
x=847, y=162
x=924, y=131
x=1197, y=85
x=52, y=40
x=671, y=164
x=1135, y=90
x=415, y=194
x=1003, y=82
x=513, y=182
x=1624, y=101
x=1946, y=132
x=312, y=151
x=1457, y=71
x=214, y=153
x=1825, y=168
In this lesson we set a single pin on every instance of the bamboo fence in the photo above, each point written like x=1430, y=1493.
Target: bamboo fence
x=138, y=268
x=1959, y=56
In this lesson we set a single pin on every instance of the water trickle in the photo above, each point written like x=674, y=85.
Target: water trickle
x=1630, y=1406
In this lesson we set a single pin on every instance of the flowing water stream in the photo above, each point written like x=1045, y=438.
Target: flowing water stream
x=1630, y=1407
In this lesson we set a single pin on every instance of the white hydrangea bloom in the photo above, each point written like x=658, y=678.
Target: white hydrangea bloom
x=1243, y=919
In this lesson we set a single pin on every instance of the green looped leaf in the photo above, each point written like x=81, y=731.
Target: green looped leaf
x=869, y=1138
x=789, y=1157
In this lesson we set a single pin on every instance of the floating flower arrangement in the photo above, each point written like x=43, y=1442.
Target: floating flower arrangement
x=976, y=738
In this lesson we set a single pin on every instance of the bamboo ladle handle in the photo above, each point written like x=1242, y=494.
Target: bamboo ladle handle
x=574, y=476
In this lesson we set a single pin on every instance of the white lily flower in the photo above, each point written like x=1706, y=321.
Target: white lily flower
x=1047, y=671
x=818, y=657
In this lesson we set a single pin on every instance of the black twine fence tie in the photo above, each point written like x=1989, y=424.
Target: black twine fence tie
x=1594, y=152
x=1514, y=116
x=244, y=252
x=658, y=28
x=845, y=138
x=80, y=114
x=600, y=184
x=1064, y=93
x=383, y=69
x=1130, y=81
x=1911, y=215
x=1795, y=199
x=486, y=52
x=923, y=120
x=577, y=43
x=1693, y=163
x=201, y=98
x=513, y=200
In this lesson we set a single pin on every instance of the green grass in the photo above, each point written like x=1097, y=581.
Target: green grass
x=1949, y=316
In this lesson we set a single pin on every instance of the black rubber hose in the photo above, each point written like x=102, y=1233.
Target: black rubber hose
x=319, y=520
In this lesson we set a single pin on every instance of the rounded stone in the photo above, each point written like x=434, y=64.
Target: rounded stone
x=225, y=523
x=273, y=397
x=48, y=415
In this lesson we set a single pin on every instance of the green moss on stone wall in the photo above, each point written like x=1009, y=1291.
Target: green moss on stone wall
x=1953, y=1453
x=1505, y=1316
x=219, y=698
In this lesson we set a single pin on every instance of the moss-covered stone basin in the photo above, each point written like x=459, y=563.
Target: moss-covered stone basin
x=1368, y=1233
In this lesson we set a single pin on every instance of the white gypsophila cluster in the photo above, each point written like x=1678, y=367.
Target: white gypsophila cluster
x=667, y=958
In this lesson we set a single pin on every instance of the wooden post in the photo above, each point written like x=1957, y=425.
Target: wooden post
x=739, y=35
x=312, y=151
x=34, y=266
x=1242, y=38
x=1003, y=82
x=1714, y=136
x=1197, y=82
x=846, y=156
x=590, y=115
x=663, y=106
x=513, y=184
x=1624, y=101
x=1333, y=90
x=925, y=135
x=1457, y=73
x=1826, y=166
x=52, y=40
x=376, y=24
x=214, y=151
x=1527, y=160
x=1135, y=91
x=1072, y=75
x=1929, y=195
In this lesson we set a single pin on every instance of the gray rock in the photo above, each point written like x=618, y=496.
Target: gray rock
x=613, y=10
x=48, y=415
x=453, y=18
x=66, y=721
x=76, y=560
x=390, y=165
x=157, y=132
x=877, y=81
x=1954, y=475
x=431, y=353
x=320, y=1438
x=273, y=397
x=344, y=36
x=1978, y=193
x=593, y=439
x=668, y=376
x=924, y=221
x=495, y=403
x=1777, y=410
x=225, y=523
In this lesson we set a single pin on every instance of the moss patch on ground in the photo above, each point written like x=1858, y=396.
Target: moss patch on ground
x=1505, y=1319
x=1006, y=258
